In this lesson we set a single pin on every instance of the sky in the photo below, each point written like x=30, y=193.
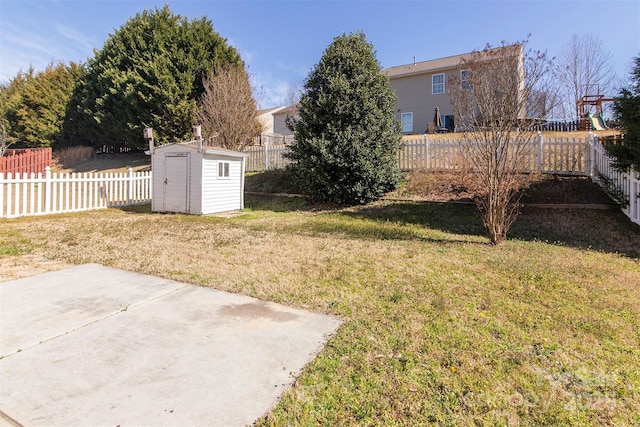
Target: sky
x=281, y=41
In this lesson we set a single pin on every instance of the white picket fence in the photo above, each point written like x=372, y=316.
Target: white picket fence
x=567, y=156
x=266, y=157
x=22, y=195
x=48, y=193
x=561, y=156
x=557, y=156
x=627, y=185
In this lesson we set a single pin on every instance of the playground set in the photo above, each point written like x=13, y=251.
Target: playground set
x=592, y=120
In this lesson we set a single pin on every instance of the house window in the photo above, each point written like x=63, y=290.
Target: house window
x=437, y=84
x=223, y=169
x=407, y=122
x=465, y=79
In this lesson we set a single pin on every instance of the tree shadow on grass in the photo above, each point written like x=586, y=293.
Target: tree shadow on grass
x=602, y=230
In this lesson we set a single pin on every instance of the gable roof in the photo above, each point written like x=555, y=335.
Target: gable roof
x=269, y=111
x=441, y=64
x=291, y=109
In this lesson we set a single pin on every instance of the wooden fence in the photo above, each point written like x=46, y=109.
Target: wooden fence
x=40, y=194
x=30, y=160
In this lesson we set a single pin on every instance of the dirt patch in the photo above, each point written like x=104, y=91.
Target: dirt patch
x=448, y=186
x=17, y=267
x=565, y=190
x=111, y=163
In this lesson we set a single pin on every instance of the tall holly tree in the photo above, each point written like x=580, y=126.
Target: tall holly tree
x=148, y=74
x=347, y=137
x=626, y=149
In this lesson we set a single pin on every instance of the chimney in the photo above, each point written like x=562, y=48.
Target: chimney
x=414, y=60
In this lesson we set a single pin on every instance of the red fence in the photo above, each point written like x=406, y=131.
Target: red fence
x=25, y=160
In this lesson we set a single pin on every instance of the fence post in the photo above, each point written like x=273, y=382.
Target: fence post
x=47, y=189
x=540, y=151
x=426, y=151
x=266, y=155
x=129, y=186
x=590, y=154
x=1, y=194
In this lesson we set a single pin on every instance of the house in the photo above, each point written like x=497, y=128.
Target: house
x=265, y=117
x=280, y=118
x=421, y=88
x=274, y=127
x=192, y=179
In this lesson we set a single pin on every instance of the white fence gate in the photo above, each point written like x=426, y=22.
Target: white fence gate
x=57, y=193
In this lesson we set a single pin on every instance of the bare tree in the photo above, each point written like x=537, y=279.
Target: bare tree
x=292, y=96
x=227, y=109
x=583, y=67
x=490, y=108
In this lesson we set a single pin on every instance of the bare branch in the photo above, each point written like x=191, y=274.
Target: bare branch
x=228, y=109
x=491, y=109
x=584, y=67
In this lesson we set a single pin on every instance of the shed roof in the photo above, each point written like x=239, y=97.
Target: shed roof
x=193, y=145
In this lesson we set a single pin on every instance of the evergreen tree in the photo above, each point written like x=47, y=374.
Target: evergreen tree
x=34, y=105
x=346, y=133
x=626, y=149
x=148, y=74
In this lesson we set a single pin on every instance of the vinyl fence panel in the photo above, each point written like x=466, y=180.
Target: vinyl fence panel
x=40, y=194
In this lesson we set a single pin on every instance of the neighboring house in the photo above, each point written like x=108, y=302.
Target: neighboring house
x=280, y=117
x=265, y=117
x=421, y=87
x=274, y=128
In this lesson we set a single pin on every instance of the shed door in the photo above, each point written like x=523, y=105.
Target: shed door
x=176, y=183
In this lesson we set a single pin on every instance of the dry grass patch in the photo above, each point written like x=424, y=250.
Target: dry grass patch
x=440, y=328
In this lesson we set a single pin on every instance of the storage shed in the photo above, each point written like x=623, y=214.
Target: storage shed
x=189, y=178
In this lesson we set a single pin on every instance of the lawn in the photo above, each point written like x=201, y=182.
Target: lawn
x=440, y=328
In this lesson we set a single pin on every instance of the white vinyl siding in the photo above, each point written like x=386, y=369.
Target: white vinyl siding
x=221, y=194
x=437, y=84
x=407, y=122
x=194, y=181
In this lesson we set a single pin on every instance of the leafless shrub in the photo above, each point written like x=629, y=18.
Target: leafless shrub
x=490, y=107
x=228, y=109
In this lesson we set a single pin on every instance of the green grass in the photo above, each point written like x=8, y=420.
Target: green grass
x=440, y=328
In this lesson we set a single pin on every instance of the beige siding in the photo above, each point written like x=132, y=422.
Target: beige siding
x=279, y=125
x=414, y=96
